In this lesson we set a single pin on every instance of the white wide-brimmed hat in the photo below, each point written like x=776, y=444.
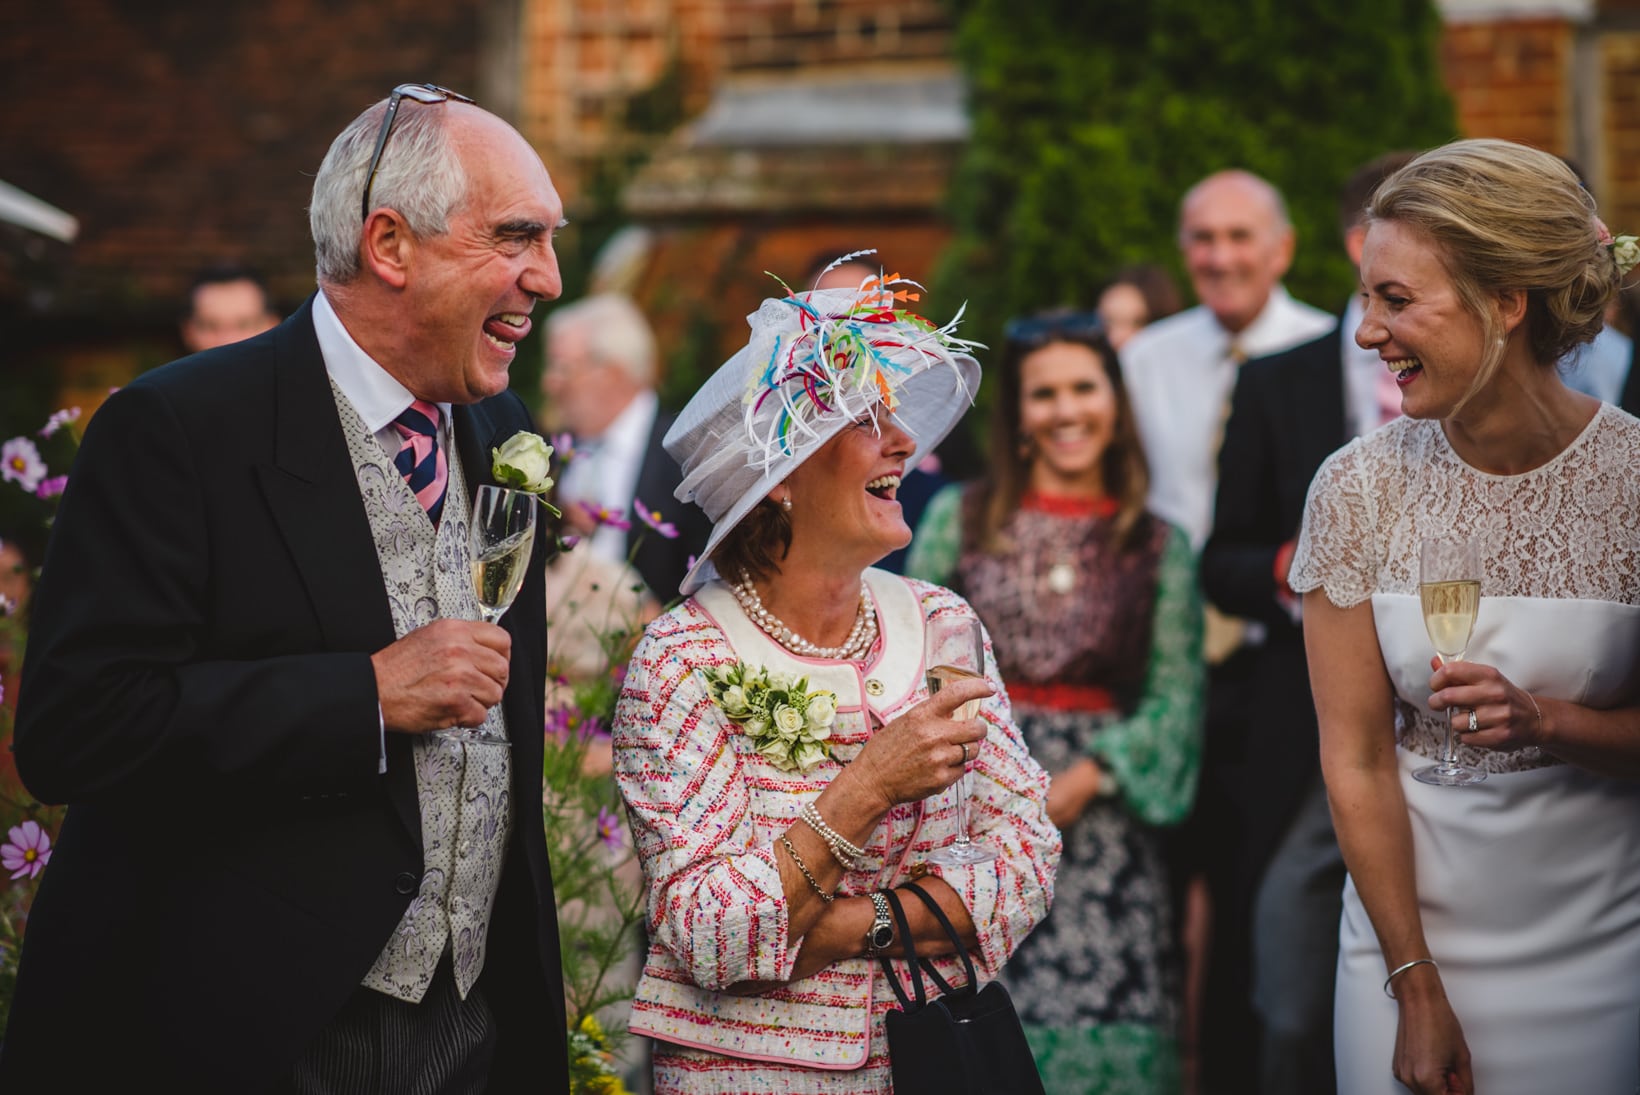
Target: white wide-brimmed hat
x=815, y=362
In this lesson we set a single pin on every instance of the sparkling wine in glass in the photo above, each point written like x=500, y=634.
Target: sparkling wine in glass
x=954, y=649
x=1449, y=586
x=500, y=539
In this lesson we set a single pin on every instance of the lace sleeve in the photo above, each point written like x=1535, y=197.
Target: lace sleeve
x=1339, y=544
x=1154, y=754
x=938, y=539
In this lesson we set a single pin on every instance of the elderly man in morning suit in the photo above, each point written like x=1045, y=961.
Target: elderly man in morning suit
x=254, y=613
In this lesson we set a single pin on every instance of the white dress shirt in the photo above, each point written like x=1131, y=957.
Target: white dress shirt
x=373, y=391
x=607, y=473
x=1179, y=375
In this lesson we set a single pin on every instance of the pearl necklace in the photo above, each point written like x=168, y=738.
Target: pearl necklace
x=858, y=644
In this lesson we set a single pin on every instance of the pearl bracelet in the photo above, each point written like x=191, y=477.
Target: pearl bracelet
x=846, y=854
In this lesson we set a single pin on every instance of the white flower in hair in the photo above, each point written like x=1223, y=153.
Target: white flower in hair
x=1626, y=253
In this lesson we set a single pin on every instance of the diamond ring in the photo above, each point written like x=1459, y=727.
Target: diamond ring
x=1474, y=723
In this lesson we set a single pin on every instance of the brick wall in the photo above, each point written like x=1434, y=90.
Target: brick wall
x=1619, y=186
x=586, y=61
x=188, y=131
x=1511, y=79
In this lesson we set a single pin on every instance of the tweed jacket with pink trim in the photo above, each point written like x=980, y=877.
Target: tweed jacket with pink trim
x=706, y=811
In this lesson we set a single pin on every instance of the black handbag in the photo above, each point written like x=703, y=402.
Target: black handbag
x=967, y=1041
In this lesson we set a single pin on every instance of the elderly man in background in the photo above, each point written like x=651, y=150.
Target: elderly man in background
x=1237, y=244
x=1289, y=413
x=600, y=385
x=254, y=617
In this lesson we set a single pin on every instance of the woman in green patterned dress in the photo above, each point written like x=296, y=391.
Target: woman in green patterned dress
x=1094, y=613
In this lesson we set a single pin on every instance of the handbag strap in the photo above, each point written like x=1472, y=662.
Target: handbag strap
x=910, y=958
x=956, y=941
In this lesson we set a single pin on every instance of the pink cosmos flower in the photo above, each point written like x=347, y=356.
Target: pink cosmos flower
x=20, y=462
x=652, y=518
x=51, y=487
x=559, y=720
x=603, y=515
x=60, y=419
x=609, y=828
x=27, y=851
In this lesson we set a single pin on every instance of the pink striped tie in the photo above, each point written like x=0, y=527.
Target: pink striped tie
x=419, y=459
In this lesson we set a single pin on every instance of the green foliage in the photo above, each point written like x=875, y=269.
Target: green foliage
x=1093, y=117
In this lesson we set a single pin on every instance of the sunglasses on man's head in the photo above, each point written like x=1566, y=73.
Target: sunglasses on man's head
x=1052, y=325
x=421, y=93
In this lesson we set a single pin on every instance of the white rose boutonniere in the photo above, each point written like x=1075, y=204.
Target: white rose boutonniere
x=788, y=723
x=524, y=462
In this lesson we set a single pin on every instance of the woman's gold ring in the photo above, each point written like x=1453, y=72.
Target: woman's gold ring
x=1474, y=723
x=965, y=754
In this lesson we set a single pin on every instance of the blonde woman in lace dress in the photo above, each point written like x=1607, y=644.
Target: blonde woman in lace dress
x=1491, y=934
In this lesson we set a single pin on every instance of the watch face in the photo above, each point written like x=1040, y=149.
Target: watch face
x=882, y=936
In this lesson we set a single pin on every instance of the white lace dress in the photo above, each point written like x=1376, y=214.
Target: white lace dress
x=1529, y=883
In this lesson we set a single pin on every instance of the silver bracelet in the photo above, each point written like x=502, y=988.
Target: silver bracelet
x=814, y=883
x=1398, y=970
x=848, y=855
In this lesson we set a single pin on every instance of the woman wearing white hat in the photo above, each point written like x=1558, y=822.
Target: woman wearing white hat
x=775, y=743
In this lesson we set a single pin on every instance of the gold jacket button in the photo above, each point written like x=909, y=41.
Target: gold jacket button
x=874, y=686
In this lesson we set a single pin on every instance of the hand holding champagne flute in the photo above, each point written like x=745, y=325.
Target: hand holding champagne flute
x=1449, y=586
x=954, y=649
x=500, y=539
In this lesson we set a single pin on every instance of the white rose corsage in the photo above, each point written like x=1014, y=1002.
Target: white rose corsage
x=787, y=722
x=524, y=462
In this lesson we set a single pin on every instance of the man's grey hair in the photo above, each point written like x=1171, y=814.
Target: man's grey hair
x=420, y=175
x=616, y=333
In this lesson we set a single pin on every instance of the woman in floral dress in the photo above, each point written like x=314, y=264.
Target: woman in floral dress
x=775, y=743
x=1093, y=608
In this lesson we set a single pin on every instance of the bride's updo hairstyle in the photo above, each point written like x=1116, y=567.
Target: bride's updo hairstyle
x=1507, y=217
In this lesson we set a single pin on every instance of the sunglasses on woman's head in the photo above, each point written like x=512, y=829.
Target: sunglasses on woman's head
x=1054, y=325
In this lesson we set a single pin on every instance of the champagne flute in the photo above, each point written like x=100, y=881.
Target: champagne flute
x=1449, y=585
x=499, y=540
x=501, y=537
x=954, y=649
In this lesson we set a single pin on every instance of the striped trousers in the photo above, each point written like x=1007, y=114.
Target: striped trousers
x=379, y=1045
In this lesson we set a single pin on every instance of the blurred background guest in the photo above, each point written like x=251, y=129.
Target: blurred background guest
x=765, y=854
x=1505, y=913
x=599, y=384
x=1092, y=606
x=226, y=303
x=1290, y=412
x=1237, y=243
x=1137, y=296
